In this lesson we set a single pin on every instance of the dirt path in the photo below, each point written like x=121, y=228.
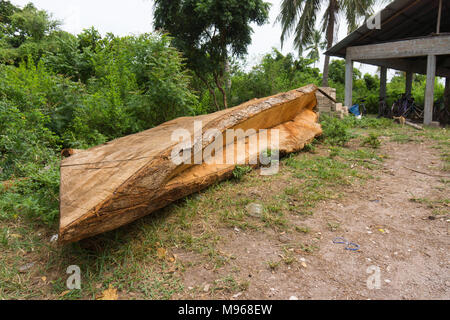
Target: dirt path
x=403, y=239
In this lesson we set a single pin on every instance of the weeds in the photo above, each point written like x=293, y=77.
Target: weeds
x=438, y=206
x=273, y=265
x=333, y=226
x=240, y=171
x=372, y=140
x=230, y=285
x=308, y=248
x=302, y=229
x=335, y=131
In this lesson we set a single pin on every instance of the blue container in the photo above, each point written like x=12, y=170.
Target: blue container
x=355, y=110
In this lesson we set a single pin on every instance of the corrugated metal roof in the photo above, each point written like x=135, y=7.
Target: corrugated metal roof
x=402, y=19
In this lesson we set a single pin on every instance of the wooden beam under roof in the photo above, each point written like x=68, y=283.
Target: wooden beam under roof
x=436, y=45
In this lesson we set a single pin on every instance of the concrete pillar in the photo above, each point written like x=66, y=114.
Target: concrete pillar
x=348, y=82
x=408, y=84
x=429, y=91
x=447, y=94
x=383, y=80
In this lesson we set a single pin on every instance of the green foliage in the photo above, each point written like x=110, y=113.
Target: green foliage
x=24, y=32
x=36, y=196
x=337, y=71
x=298, y=19
x=67, y=57
x=33, y=88
x=396, y=88
x=335, y=131
x=369, y=123
x=28, y=156
x=368, y=87
x=314, y=45
x=372, y=140
x=24, y=139
x=209, y=33
x=240, y=171
x=139, y=83
x=276, y=73
x=86, y=92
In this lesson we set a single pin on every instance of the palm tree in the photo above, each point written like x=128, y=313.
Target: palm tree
x=299, y=17
x=314, y=46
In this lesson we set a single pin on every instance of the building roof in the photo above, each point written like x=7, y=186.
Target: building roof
x=400, y=20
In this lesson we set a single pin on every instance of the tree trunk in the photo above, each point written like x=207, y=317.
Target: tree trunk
x=116, y=183
x=325, y=71
x=446, y=99
x=227, y=76
x=222, y=90
x=330, y=35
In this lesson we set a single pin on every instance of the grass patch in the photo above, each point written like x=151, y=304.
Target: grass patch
x=229, y=285
x=240, y=171
x=438, y=206
x=273, y=265
x=372, y=141
x=302, y=229
x=308, y=248
x=333, y=226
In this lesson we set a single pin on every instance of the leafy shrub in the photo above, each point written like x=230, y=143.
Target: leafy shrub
x=276, y=73
x=33, y=88
x=372, y=140
x=29, y=165
x=139, y=83
x=36, y=196
x=368, y=122
x=23, y=139
x=240, y=171
x=135, y=83
x=335, y=131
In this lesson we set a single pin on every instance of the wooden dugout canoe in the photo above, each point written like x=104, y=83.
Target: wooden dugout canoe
x=113, y=184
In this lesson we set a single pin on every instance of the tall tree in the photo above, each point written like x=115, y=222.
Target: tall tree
x=24, y=32
x=209, y=32
x=314, y=46
x=298, y=17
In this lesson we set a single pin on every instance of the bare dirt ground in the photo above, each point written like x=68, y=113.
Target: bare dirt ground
x=403, y=238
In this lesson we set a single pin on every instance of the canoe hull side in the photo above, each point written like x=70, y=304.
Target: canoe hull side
x=158, y=182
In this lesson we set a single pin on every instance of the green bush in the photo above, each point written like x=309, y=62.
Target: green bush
x=33, y=88
x=276, y=73
x=368, y=122
x=24, y=139
x=372, y=140
x=36, y=196
x=335, y=131
x=139, y=83
x=240, y=171
x=132, y=84
x=29, y=163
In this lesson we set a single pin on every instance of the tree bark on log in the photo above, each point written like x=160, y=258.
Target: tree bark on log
x=113, y=184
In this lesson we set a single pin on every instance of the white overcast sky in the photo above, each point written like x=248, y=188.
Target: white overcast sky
x=135, y=16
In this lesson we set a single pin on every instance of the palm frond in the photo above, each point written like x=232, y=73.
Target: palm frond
x=305, y=26
x=288, y=16
x=355, y=10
